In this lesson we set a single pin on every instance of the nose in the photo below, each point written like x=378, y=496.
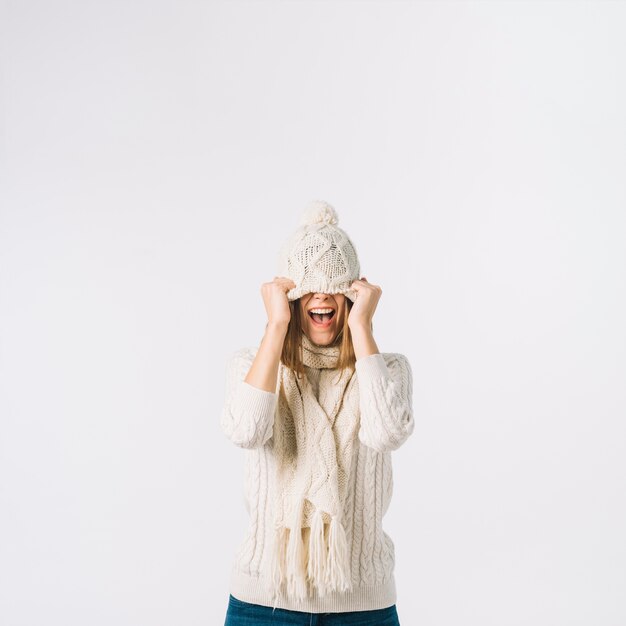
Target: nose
x=319, y=299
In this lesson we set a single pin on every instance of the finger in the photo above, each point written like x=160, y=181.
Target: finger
x=285, y=283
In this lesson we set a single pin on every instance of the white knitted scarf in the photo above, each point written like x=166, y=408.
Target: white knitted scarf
x=313, y=444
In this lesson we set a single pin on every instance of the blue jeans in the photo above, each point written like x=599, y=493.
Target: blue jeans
x=240, y=613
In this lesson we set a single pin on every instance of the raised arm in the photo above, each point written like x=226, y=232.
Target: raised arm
x=247, y=418
x=385, y=381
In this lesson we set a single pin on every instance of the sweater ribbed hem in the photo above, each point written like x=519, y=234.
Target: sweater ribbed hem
x=250, y=588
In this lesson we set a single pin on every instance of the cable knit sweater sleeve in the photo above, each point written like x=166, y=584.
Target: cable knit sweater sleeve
x=386, y=400
x=247, y=417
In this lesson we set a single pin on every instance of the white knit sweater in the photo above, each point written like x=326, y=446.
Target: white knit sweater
x=386, y=420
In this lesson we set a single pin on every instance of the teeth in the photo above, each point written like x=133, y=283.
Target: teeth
x=320, y=310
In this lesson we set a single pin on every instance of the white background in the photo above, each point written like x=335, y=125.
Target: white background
x=154, y=155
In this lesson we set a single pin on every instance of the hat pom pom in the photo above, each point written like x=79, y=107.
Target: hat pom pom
x=319, y=212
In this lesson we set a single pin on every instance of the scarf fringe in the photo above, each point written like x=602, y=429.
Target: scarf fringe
x=296, y=576
x=316, y=567
x=325, y=567
x=338, y=575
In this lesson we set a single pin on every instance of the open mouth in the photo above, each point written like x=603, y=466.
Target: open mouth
x=321, y=316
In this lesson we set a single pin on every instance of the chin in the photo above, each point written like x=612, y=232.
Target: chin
x=322, y=338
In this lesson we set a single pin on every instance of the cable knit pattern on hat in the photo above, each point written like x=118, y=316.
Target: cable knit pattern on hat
x=254, y=419
x=319, y=256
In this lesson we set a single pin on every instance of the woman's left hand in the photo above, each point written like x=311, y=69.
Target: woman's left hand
x=362, y=310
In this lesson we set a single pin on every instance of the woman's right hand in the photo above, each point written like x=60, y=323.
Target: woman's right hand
x=275, y=299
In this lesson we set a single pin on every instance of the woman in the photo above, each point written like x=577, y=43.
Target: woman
x=318, y=410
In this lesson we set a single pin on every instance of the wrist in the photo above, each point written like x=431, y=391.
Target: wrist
x=360, y=327
x=276, y=327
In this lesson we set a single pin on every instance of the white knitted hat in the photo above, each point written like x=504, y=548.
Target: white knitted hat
x=319, y=256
